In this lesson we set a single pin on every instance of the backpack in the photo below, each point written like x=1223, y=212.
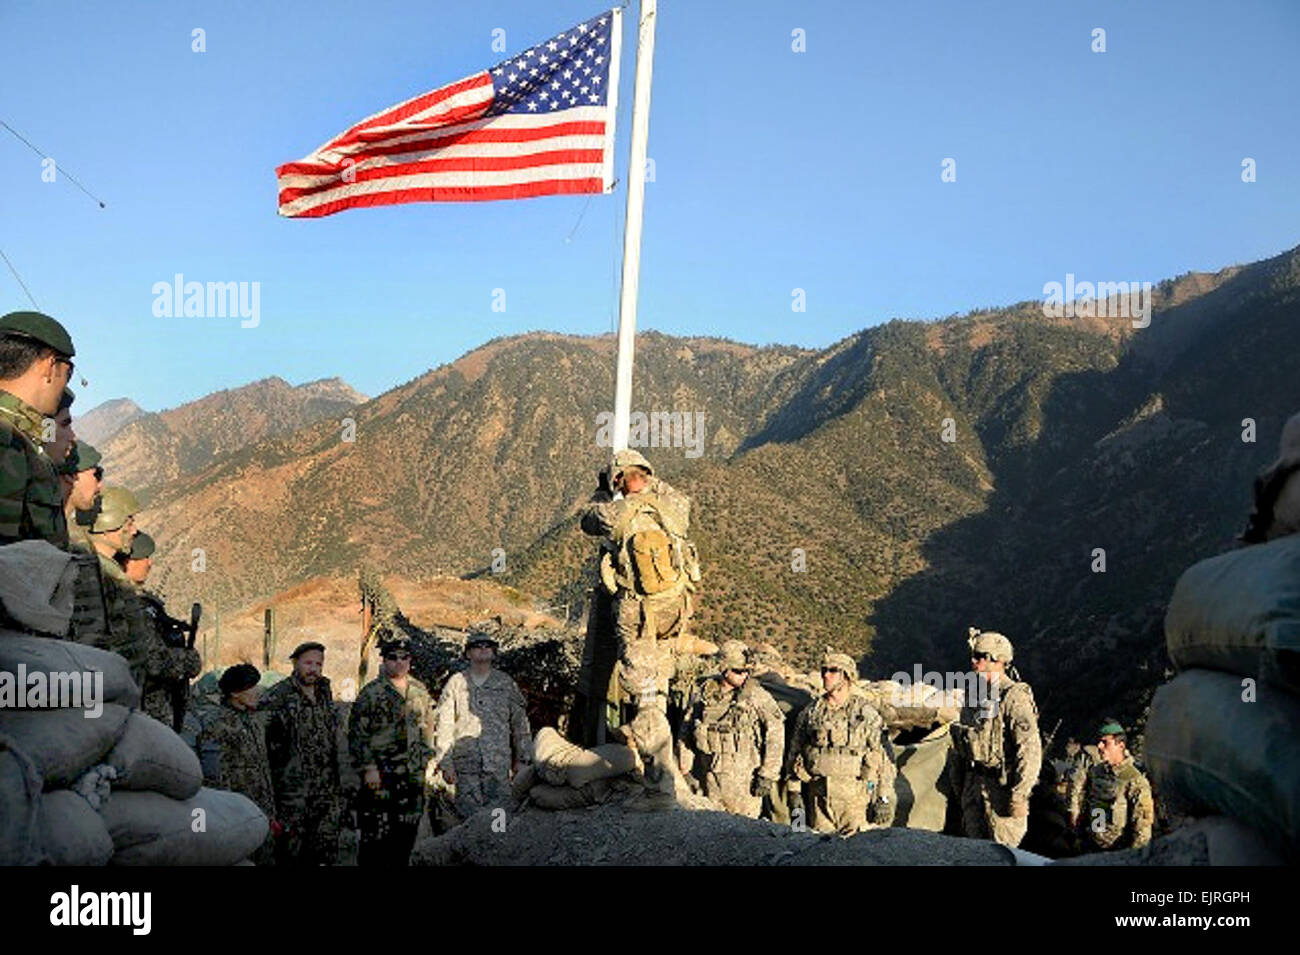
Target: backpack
x=653, y=554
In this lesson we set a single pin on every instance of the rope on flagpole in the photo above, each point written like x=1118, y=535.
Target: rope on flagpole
x=20, y=280
x=45, y=155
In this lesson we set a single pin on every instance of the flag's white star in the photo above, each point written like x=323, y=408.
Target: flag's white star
x=532, y=107
x=568, y=73
x=555, y=104
x=543, y=95
x=582, y=27
x=544, y=59
x=594, y=98
x=511, y=77
x=498, y=71
x=573, y=41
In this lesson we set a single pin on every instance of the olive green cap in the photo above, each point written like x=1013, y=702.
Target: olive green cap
x=142, y=546
x=82, y=457
x=1111, y=728
x=40, y=327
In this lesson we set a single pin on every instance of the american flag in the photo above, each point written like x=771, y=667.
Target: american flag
x=537, y=124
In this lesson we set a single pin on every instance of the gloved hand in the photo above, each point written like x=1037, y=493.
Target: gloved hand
x=762, y=786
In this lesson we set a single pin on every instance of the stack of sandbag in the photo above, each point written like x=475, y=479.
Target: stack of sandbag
x=566, y=776
x=1220, y=738
x=85, y=777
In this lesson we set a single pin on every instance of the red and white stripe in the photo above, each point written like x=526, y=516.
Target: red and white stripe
x=440, y=147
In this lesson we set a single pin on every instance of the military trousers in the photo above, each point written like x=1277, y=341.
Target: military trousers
x=474, y=791
x=311, y=832
x=732, y=791
x=387, y=820
x=986, y=810
x=836, y=804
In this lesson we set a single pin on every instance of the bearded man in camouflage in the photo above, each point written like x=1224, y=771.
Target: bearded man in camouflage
x=734, y=736
x=302, y=745
x=842, y=760
x=998, y=747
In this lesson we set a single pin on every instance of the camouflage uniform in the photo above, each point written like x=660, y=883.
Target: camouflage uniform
x=129, y=632
x=999, y=756
x=231, y=746
x=302, y=746
x=641, y=617
x=844, y=761
x=736, y=737
x=31, y=499
x=1114, y=805
x=484, y=731
x=166, y=668
x=393, y=733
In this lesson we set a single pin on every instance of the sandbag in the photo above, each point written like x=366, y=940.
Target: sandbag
x=1240, y=613
x=69, y=832
x=1209, y=752
x=20, y=795
x=922, y=787
x=151, y=829
x=46, y=655
x=37, y=581
x=1212, y=841
x=64, y=743
x=561, y=763
x=149, y=756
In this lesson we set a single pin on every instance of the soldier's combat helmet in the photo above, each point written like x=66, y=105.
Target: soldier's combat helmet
x=991, y=642
x=834, y=660
x=115, y=507
x=734, y=655
x=628, y=458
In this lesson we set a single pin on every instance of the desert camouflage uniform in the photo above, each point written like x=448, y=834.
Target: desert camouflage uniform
x=999, y=755
x=31, y=500
x=302, y=746
x=1114, y=805
x=394, y=733
x=484, y=732
x=845, y=762
x=638, y=617
x=734, y=737
x=231, y=746
x=165, y=667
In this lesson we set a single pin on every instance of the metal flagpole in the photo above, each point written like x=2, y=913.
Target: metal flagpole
x=645, y=49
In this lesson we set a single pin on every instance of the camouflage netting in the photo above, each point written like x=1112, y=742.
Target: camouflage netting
x=543, y=661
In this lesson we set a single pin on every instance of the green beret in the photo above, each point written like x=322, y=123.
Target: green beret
x=40, y=327
x=82, y=457
x=142, y=546
x=1111, y=728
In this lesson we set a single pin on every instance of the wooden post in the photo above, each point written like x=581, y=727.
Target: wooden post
x=268, y=637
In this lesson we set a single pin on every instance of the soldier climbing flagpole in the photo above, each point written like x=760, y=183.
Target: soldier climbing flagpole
x=632, y=226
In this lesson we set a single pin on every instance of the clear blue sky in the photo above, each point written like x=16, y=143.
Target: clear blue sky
x=775, y=170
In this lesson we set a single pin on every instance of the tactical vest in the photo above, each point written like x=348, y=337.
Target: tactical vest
x=730, y=735
x=839, y=739
x=982, y=740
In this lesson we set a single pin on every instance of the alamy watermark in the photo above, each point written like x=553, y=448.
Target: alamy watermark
x=182, y=299
x=658, y=429
x=41, y=690
x=1098, y=300
x=968, y=686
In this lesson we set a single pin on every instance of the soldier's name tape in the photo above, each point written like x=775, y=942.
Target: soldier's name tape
x=46, y=690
